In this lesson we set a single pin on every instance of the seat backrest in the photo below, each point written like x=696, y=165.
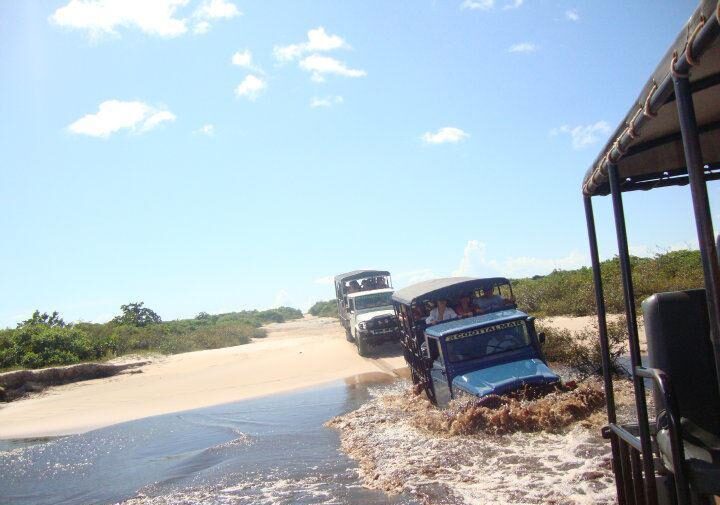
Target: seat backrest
x=678, y=340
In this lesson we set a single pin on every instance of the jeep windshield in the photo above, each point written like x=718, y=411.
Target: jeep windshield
x=481, y=342
x=374, y=300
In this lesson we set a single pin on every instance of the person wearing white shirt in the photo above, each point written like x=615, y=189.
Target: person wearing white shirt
x=440, y=313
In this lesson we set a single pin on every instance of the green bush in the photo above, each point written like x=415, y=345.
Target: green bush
x=43, y=341
x=324, y=309
x=571, y=292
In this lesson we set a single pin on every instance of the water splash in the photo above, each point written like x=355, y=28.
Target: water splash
x=546, y=450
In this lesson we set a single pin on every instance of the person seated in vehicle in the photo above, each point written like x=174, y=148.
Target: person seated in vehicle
x=489, y=301
x=441, y=313
x=465, y=308
x=380, y=283
x=367, y=285
x=418, y=312
x=353, y=287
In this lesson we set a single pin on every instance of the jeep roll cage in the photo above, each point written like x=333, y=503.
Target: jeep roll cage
x=342, y=279
x=670, y=137
x=412, y=329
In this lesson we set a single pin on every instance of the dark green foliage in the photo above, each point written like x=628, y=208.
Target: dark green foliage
x=41, y=341
x=571, y=292
x=325, y=309
x=53, y=319
x=581, y=350
x=136, y=315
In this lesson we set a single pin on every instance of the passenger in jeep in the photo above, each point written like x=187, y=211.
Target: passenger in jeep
x=353, y=287
x=441, y=313
x=465, y=308
x=489, y=302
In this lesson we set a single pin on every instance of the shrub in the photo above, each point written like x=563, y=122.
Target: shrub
x=581, y=350
x=324, y=309
x=571, y=292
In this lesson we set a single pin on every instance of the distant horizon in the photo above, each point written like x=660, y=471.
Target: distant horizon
x=227, y=155
x=644, y=253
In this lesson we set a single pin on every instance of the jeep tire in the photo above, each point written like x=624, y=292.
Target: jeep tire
x=348, y=335
x=362, y=345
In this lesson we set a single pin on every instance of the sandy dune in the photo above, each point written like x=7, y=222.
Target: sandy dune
x=295, y=355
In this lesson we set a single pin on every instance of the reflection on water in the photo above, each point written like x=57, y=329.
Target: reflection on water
x=268, y=450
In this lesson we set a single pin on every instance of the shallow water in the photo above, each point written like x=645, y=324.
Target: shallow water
x=275, y=450
x=271, y=450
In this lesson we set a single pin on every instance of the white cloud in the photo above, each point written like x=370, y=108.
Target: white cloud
x=206, y=129
x=319, y=66
x=318, y=40
x=242, y=59
x=483, y=5
x=251, y=87
x=445, y=135
x=116, y=115
x=572, y=15
x=523, y=47
x=157, y=17
x=584, y=135
x=102, y=17
x=328, y=280
x=515, y=4
x=327, y=101
x=217, y=9
x=475, y=263
x=211, y=10
x=282, y=299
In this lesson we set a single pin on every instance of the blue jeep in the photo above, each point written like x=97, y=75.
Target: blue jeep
x=493, y=350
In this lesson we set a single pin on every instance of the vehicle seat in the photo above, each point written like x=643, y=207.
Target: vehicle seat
x=678, y=340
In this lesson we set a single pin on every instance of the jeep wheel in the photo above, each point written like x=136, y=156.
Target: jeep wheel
x=361, y=345
x=348, y=335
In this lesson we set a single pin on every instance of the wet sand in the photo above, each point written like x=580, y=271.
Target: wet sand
x=294, y=355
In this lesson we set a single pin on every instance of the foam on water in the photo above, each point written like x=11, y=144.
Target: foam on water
x=476, y=454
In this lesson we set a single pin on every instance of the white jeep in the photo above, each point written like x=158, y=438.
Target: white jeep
x=372, y=319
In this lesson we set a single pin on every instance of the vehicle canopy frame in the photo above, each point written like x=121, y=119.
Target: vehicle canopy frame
x=668, y=138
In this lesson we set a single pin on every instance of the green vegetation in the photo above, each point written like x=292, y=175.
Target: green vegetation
x=581, y=349
x=325, y=309
x=46, y=340
x=571, y=292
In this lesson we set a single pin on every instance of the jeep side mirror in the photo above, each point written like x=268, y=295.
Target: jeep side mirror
x=541, y=337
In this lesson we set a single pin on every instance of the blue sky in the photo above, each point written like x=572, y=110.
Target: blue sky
x=209, y=155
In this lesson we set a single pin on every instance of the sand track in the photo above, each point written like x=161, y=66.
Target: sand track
x=294, y=355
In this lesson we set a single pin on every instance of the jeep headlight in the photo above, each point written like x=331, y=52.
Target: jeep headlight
x=362, y=326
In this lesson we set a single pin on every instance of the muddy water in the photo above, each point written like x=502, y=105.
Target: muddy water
x=272, y=450
x=500, y=455
x=383, y=445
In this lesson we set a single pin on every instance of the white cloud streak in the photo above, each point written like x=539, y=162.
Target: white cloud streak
x=572, y=15
x=251, y=87
x=447, y=135
x=523, y=47
x=320, y=66
x=515, y=4
x=115, y=115
x=483, y=5
x=326, y=102
x=584, y=135
x=161, y=18
x=207, y=129
x=475, y=262
x=318, y=40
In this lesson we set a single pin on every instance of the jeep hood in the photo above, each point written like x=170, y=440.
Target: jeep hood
x=364, y=317
x=503, y=378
